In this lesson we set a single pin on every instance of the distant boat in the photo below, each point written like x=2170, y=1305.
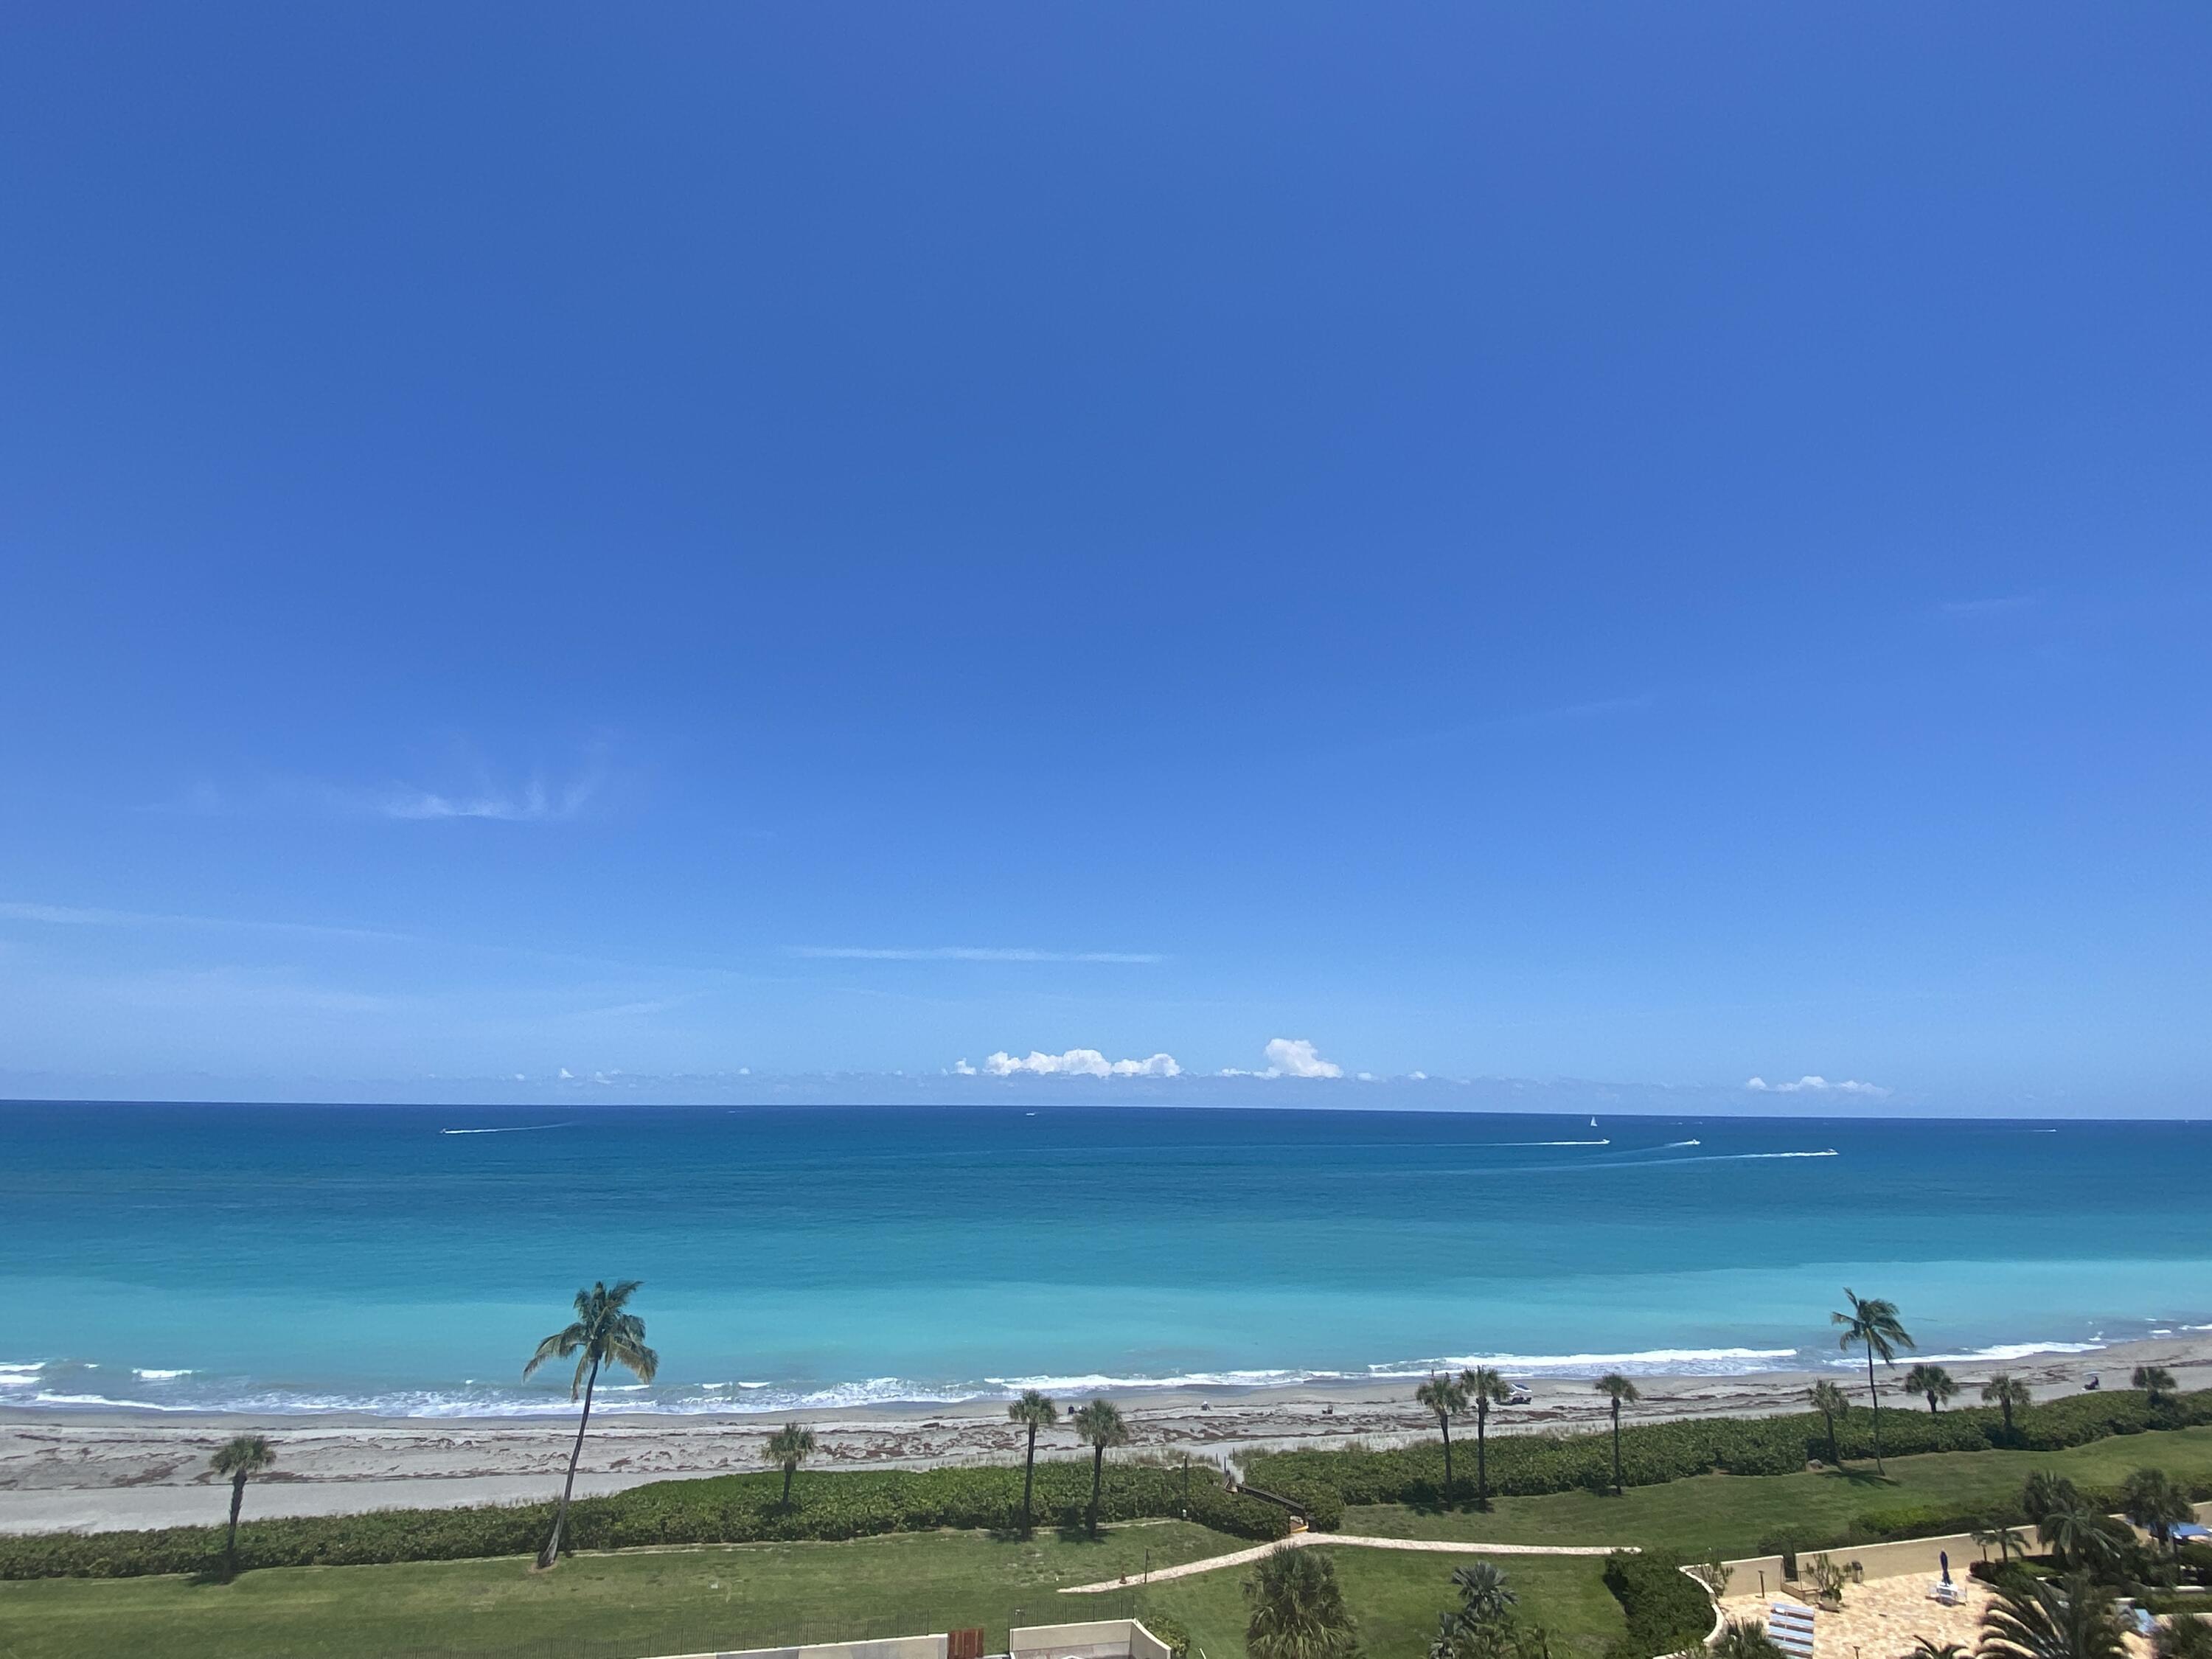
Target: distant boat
x=1593, y=1123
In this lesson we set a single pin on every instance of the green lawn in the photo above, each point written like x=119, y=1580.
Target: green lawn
x=1730, y=1514
x=617, y=1606
x=1397, y=1597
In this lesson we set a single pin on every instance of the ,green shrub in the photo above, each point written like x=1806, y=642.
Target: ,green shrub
x=1173, y=1631
x=1666, y=1612
x=1531, y=1465
x=1322, y=1506
x=739, y=1508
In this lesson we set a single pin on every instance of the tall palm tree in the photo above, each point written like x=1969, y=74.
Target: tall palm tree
x=2077, y=1536
x=1485, y=1388
x=2154, y=1501
x=1100, y=1423
x=790, y=1445
x=1483, y=1597
x=1297, y=1608
x=2155, y=1381
x=1832, y=1402
x=2007, y=1393
x=1745, y=1638
x=2045, y=1490
x=1932, y=1383
x=2051, y=1618
x=1445, y=1400
x=1872, y=1324
x=238, y=1460
x=1033, y=1411
x=1617, y=1388
x=604, y=1333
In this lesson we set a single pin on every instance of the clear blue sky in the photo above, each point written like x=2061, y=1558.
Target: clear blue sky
x=1660, y=544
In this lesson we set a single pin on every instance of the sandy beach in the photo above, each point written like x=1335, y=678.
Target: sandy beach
x=91, y=1471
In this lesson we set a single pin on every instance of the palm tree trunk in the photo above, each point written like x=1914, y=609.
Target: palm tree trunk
x=230, y=1544
x=1029, y=1482
x=1482, y=1455
x=1616, y=1492
x=1931, y=1406
x=1873, y=1401
x=1444, y=1423
x=551, y=1553
x=788, y=1470
x=1834, y=1457
x=1097, y=1475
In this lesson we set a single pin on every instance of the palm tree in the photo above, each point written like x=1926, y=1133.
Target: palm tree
x=1446, y=1644
x=1872, y=1324
x=1100, y=1423
x=1034, y=1411
x=1745, y=1638
x=2051, y=1618
x=1922, y=1647
x=2155, y=1381
x=2007, y=1393
x=1297, y=1608
x=2183, y=1635
x=603, y=1333
x=1483, y=1597
x=2076, y=1535
x=1444, y=1398
x=1999, y=1538
x=1485, y=1388
x=1832, y=1402
x=239, y=1459
x=1617, y=1388
x=1932, y=1383
x=2154, y=1501
x=2044, y=1492
x=790, y=1445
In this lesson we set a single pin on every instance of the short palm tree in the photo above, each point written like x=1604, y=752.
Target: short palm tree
x=2155, y=1381
x=238, y=1460
x=2045, y=1491
x=1446, y=1644
x=605, y=1332
x=1832, y=1402
x=1485, y=1388
x=790, y=1446
x=1033, y=1411
x=1445, y=1400
x=2009, y=1395
x=2000, y=1538
x=1932, y=1383
x=1100, y=1425
x=2051, y=1618
x=1872, y=1323
x=2154, y=1501
x=1483, y=1597
x=1745, y=1638
x=2079, y=1538
x=1618, y=1389
x=2182, y=1636
x=1297, y=1608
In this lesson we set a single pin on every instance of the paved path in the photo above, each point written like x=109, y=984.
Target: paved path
x=1303, y=1539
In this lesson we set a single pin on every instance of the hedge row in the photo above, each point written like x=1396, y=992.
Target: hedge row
x=725, y=1509
x=1651, y=1454
x=1666, y=1613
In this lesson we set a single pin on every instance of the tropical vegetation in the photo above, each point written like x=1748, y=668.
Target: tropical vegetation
x=1872, y=1324
x=1100, y=1425
x=1445, y=1399
x=238, y=1460
x=2069, y=1618
x=1485, y=1387
x=1932, y=1383
x=1832, y=1402
x=604, y=1333
x=1618, y=1389
x=1033, y=1411
x=1297, y=1608
x=787, y=1448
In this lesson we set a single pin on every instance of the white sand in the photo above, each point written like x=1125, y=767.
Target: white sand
x=91, y=1470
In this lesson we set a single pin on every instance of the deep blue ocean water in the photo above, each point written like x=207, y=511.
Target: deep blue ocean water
x=408, y=1259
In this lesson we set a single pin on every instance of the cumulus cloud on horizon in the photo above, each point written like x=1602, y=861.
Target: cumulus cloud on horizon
x=1816, y=1085
x=1076, y=1062
x=1290, y=1057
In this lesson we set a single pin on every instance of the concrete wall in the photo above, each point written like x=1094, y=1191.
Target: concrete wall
x=1899, y=1560
x=1101, y=1638
x=897, y=1647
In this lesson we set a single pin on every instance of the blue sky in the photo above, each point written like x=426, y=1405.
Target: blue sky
x=1660, y=545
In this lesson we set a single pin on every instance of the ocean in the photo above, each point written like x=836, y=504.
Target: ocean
x=406, y=1259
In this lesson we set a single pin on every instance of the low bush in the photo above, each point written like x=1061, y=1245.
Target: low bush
x=1666, y=1612
x=740, y=1509
x=1530, y=1465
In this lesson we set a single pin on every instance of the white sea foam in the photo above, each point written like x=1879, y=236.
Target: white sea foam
x=2007, y=1351
x=1671, y=1145
x=147, y=1375
x=1696, y=1360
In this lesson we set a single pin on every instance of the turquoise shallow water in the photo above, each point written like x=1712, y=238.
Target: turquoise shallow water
x=375, y=1258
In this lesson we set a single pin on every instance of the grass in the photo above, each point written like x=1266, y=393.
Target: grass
x=687, y=1600
x=1397, y=1596
x=1731, y=1514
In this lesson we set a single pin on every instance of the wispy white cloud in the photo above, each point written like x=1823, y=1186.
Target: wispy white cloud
x=470, y=789
x=1816, y=1085
x=1290, y=1057
x=1988, y=607
x=72, y=916
x=1076, y=1062
x=964, y=953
